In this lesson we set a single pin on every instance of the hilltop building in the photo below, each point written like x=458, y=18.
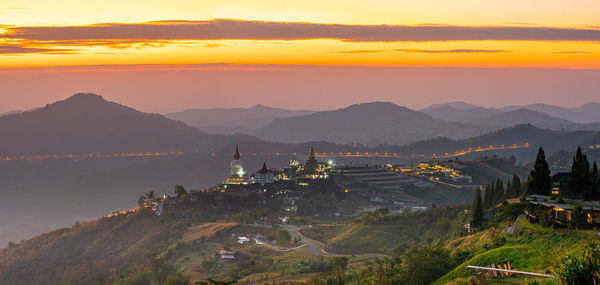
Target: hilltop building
x=311, y=169
x=311, y=165
x=237, y=175
x=264, y=175
x=238, y=182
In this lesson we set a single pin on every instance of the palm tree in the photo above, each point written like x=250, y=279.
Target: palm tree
x=141, y=201
x=180, y=191
x=151, y=195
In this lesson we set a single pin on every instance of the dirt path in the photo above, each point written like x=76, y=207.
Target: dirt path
x=316, y=247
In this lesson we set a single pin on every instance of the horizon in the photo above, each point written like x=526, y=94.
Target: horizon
x=241, y=86
x=171, y=56
x=312, y=110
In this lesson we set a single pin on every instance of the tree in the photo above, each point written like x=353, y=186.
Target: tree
x=579, y=182
x=339, y=265
x=539, y=177
x=151, y=195
x=499, y=191
x=515, y=190
x=595, y=180
x=425, y=264
x=578, y=218
x=487, y=198
x=180, y=191
x=141, y=201
x=284, y=237
x=477, y=210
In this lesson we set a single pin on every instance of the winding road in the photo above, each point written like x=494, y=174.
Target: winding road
x=316, y=247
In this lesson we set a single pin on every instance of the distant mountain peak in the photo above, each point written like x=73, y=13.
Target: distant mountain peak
x=456, y=105
x=86, y=97
x=376, y=104
x=590, y=104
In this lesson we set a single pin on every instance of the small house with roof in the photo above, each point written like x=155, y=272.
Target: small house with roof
x=560, y=210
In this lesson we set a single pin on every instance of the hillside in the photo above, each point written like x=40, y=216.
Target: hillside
x=487, y=170
x=523, y=116
x=452, y=114
x=586, y=113
x=87, y=253
x=86, y=123
x=368, y=123
x=518, y=134
x=534, y=249
x=229, y=121
x=369, y=235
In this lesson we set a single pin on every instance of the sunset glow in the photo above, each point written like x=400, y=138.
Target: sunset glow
x=391, y=33
x=234, y=53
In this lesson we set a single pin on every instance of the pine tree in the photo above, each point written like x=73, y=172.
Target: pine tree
x=516, y=186
x=477, y=210
x=499, y=193
x=539, y=176
x=579, y=182
x=489, y=195
x=595, y=180
x=508, y=189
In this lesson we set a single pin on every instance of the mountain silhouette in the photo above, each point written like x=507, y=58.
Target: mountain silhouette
x=368, y=123
x=87, y=123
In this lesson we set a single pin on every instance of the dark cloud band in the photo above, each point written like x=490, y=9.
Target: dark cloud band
x=256, y=30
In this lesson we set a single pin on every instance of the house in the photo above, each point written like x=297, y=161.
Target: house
x=559, y=184
x=463, y=179
x=508, y=202
x=243, y=240
x=227, y=257
x=560, y=211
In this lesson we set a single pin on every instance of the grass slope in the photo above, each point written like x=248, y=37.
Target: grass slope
x=87, y=253
x=384, y=236
x=534, y=249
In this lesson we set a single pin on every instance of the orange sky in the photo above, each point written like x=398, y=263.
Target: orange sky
x=31, y=34
x=39, y=36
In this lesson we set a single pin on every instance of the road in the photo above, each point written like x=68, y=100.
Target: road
x=323, y=154
x=316, y=247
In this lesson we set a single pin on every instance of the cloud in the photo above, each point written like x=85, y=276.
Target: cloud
x=15, y=49
x=428, y=51
x=572, y=52
x=453, y=50
x=225, y=29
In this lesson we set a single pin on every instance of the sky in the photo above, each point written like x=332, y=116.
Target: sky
x=164, y=56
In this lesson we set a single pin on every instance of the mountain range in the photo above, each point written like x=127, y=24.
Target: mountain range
x=86, y=123
x=234, y=120
x=386, y=123
x=368, y=123
x=465, y=112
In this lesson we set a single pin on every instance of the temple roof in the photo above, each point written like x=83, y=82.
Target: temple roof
x=236, y=155
x=264, y=169
x=311, y=155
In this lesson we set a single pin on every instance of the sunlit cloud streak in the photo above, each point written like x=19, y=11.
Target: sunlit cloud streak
x=428, y=51
x=15, y=49
x=573, y=52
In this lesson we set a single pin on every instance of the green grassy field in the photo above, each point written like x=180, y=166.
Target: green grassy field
x=534, y=249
